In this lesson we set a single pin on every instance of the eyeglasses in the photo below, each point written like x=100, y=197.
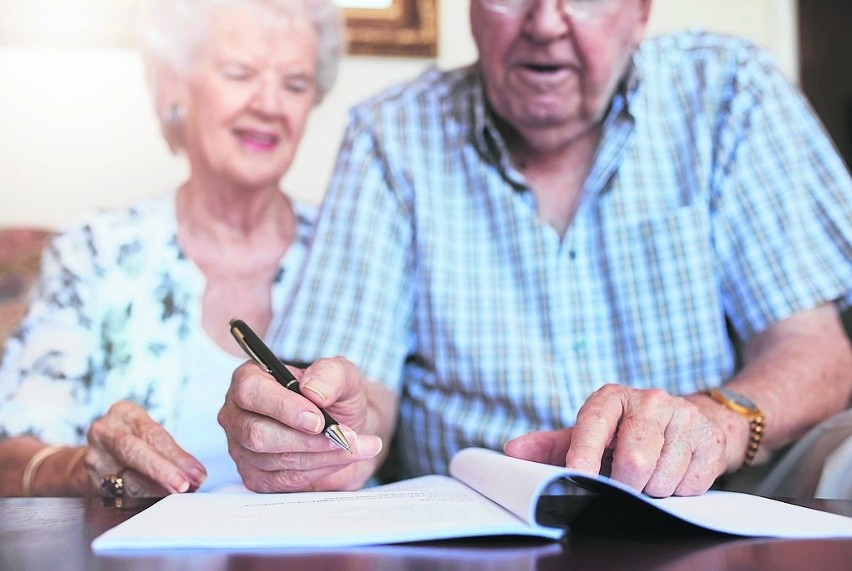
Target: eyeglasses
x=582, y=8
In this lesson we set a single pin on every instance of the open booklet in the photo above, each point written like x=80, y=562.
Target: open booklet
x=488, y=494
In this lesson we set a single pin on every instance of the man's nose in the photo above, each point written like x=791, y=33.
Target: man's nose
x=547, y=20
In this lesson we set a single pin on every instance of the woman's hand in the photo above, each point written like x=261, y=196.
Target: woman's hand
x=127, y=442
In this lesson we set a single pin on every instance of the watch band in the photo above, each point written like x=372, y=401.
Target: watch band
x=742, y=406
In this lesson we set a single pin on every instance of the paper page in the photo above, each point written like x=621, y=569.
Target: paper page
x=744, y=514
x=432, y=507
x=517, y=485
x=514, y=484
x=735, y=513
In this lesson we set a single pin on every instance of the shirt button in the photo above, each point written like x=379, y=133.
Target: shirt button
x=579, y=346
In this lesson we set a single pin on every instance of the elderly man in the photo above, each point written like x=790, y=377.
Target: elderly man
x=563, y=246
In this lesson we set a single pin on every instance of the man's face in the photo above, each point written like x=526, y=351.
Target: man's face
x=550, y=70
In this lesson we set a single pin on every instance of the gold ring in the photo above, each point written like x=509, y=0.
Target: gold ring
x=113, y=484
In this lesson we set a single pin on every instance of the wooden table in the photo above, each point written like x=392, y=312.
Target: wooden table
x=56, y=533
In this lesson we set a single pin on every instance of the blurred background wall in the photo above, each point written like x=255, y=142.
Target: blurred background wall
x=77, y=130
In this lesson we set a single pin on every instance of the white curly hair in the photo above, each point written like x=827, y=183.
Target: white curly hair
x=169, y=32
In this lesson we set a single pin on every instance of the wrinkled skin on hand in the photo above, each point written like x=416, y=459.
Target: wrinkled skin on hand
x=127, y=441
x=275, y=435
x=650, y=440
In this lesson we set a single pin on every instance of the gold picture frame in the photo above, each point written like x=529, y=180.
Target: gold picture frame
x=407, y=28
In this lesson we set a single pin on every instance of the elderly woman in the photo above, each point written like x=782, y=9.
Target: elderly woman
x=119, y=369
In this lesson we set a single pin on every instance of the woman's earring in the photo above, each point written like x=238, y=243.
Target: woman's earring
x=174, y=116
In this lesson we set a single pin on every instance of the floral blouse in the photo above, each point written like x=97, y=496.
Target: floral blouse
x=109, y=318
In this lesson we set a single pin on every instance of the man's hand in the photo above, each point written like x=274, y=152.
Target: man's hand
x=275, y=435
x=652, y=441
x=127, y=441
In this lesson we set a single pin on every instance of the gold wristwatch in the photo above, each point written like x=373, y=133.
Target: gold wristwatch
x=741, y=405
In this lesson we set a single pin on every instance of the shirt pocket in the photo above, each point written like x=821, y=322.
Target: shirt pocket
x=666, y=306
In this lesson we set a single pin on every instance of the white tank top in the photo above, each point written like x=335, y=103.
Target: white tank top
x=196, y=429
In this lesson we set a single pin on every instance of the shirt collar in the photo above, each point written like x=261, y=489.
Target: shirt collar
x=487, y=138
x=625, y=93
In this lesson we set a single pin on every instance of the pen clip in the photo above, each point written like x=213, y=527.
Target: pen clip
x=238, y=335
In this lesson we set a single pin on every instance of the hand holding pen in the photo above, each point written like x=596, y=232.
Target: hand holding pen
x=263, y=356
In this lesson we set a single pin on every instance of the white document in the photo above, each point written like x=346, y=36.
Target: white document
x=431, y=507
x=488, y=494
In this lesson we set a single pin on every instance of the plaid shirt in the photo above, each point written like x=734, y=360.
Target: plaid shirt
x=716, y=206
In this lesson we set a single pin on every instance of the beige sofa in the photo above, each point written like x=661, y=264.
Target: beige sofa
x=20, y=254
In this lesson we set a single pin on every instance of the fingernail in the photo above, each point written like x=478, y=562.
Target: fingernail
x=310, y=421
x=178, y=484
x=192, y=470
x=368, y=446
x=316, y=385
x=197, y=476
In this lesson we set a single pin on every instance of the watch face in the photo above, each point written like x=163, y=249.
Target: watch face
x=737, y=398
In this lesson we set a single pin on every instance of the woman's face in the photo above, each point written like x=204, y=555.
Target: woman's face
x=247, y=97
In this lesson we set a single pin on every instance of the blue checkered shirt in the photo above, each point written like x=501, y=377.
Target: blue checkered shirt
x=715, y=207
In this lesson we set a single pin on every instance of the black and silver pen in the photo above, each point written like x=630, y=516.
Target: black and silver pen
x=263, y=356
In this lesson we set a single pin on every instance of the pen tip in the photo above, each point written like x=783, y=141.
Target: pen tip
x=336, y=435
